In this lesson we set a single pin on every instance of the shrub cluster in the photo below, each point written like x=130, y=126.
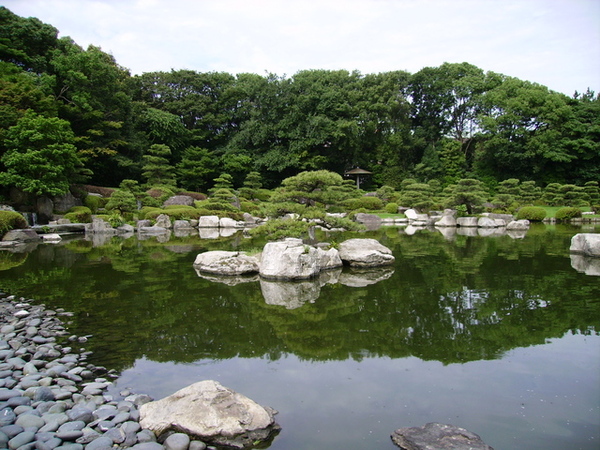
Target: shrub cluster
x=368, y=203
x=531, y=213
x=11, y=220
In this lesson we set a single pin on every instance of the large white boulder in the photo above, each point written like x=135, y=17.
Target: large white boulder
x=522, y=224
x=289, y=259
x=466, y=221
x=227, y=222
x=365, y=253
x=211, y=412
x=208, y=222
x=21, y=235
x=329, y=259
x=486, y=222
x=226, y=263
x=163, y=221
x=448, y=219
x=587, y=244
x=99, y=226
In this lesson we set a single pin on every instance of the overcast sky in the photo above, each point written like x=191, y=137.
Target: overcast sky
x=552, y=42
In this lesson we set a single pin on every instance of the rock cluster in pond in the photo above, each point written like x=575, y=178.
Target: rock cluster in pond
x=291, y=259
x=437, y=436
x=51, y=398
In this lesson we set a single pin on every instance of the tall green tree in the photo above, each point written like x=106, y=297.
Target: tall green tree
x=157, y=169
x=40, y=157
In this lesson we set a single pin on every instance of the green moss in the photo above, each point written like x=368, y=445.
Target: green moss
x=11, y=220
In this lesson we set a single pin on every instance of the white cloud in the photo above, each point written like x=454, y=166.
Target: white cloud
x=553, y=42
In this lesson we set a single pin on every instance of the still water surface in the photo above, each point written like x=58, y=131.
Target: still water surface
x=494, y=334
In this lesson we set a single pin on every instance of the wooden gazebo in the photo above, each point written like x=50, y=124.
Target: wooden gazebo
x=357, y=172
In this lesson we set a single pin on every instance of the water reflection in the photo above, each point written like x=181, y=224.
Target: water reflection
x=586, y=264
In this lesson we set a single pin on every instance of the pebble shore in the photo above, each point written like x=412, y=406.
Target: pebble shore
x=51, y=398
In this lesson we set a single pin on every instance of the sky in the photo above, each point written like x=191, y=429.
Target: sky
x=552, y=42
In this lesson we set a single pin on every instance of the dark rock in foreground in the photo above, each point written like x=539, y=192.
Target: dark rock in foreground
x=439, y=437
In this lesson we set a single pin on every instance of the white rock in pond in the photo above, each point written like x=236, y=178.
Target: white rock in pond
x=51, y=237
x=182, y=225
x=365, y=253
x=99, y=226
x=329, y=259
x=466, y=221
x=447, y=220
x=486, y=222
x=586, y=244
x=227, y=222
x=289, y=259
x=226, y=263
x=411, y=214
x=163, y=221
x=209, y=411
x=208, y=222
x=518, y=225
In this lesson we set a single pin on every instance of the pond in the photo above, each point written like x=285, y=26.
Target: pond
x=494, y=334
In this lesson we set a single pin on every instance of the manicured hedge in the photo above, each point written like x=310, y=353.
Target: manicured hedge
x=531, y=213
x=567, y=213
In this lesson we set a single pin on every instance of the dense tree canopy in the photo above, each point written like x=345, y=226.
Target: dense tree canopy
x=443, y=123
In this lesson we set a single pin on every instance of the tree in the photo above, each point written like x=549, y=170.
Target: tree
x=418, y=196
x=252, y=184
x=312, y=187
x=195, y=169
x=469, y=192
x=40, y=156
x=157, y=169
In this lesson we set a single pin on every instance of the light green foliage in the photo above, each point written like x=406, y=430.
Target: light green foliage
x=252, y=185
x=386, y=193
x=391, y=208
x=93, y=202
x=157, y=169
x=364, y=202
x=79, y=214
x=552, y=195
x=11, y=220
x=529, y=193
x=122, y=201
x=469, y=192
x=181, y=213
x=40, y=156
x=567, y=213
x=532, y=213
x=573, y=195
x=593, y=193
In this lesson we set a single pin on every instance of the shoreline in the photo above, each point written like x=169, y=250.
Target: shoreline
x=51, y=397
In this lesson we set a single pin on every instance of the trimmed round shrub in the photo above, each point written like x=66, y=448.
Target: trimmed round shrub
x=531, y=213
x=93, y=202
x=11, y=220
x=391, y=208
x=567, y=213
x=79, y=214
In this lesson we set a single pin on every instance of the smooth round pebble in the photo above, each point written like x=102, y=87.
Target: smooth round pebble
x=177, y=441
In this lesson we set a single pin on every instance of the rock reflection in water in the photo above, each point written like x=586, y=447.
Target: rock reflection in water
x=229, y=280
x=586, y=264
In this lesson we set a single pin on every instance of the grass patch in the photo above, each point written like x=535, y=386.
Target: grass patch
x=551, y=211
x=389, y=215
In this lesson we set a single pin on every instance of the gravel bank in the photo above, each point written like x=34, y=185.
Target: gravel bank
x=51, y=398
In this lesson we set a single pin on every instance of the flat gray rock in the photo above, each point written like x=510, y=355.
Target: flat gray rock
x=438, y=436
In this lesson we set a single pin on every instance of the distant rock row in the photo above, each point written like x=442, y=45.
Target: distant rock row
x=291, y=259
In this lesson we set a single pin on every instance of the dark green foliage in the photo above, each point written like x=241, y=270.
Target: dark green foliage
x=181, y=127
x=157, y=168
x=11, y=220
x=531, y=213
x=567, y=213
x=417, y=195
x=181, y=213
